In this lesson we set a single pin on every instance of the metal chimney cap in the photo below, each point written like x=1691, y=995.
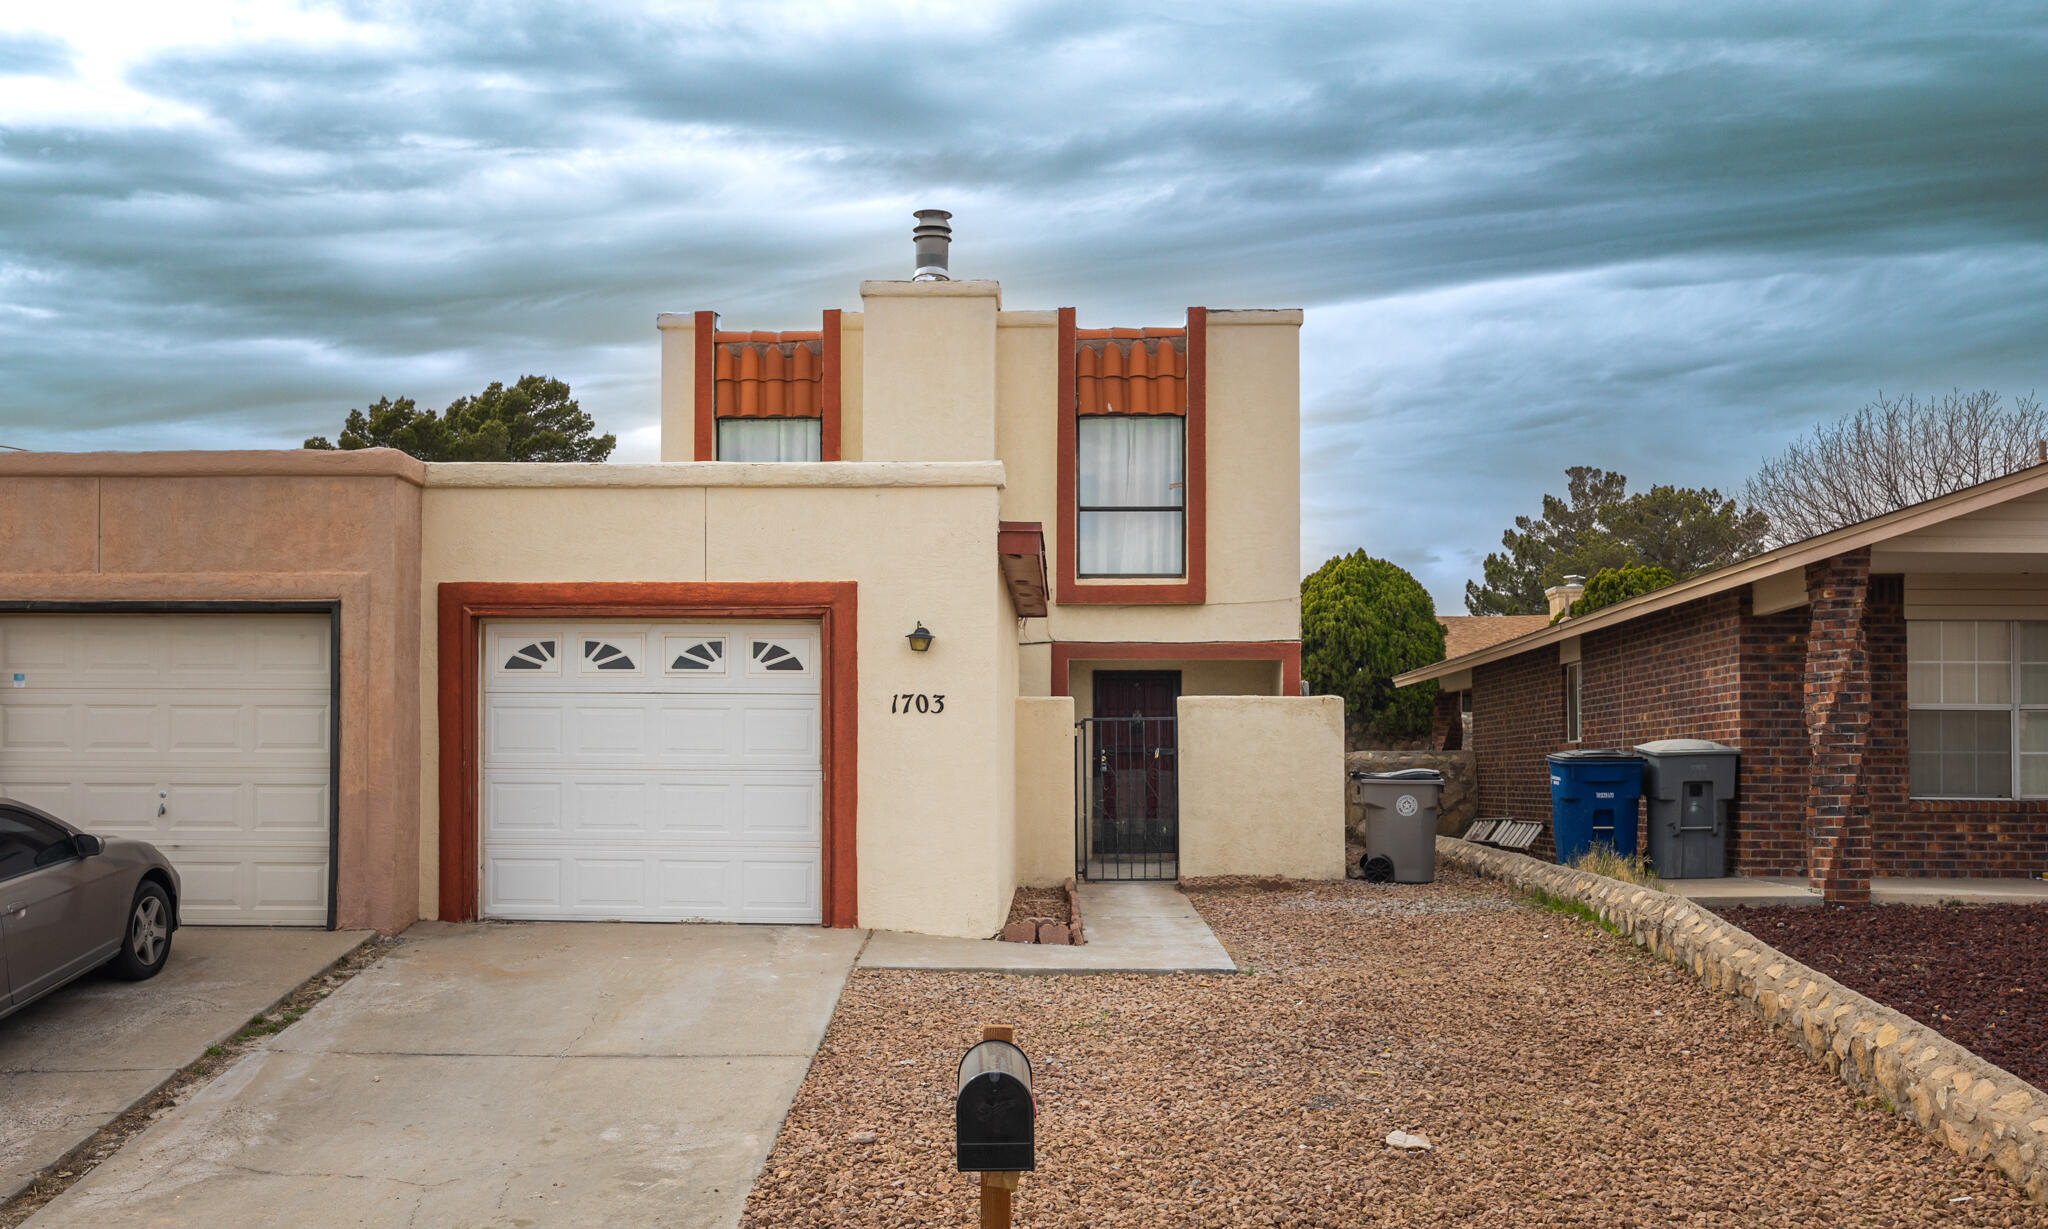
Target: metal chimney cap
x=934, y=237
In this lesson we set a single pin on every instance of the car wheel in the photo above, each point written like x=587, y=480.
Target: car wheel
x=146, y=943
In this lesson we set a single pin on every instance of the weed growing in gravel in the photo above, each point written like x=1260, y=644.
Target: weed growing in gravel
x=1573, y=909
x=263, y=1026
x=1601, y=860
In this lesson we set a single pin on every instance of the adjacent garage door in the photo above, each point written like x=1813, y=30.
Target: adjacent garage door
x=207, y=734
x=651, y=772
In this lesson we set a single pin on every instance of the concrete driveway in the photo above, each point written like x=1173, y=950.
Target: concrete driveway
x=525, y=1074
x=74, y=1061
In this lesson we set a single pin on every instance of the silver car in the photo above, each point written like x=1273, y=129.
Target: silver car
x=71, y=902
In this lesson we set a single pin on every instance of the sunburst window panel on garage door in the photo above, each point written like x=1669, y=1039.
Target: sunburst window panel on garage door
x=629, y=786
x=206, y=734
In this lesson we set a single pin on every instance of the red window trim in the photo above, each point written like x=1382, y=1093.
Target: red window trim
x=705, y=410
x=1194, y=590
x=463, y=607
x=1286, y=652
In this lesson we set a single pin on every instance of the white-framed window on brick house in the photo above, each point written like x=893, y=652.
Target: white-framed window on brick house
x=1574, y=696
x=1977, y=701
x=1131, y=495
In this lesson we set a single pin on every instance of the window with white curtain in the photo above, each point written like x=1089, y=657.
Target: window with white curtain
x=1977, y=695
x=1131, y=491
x=770, y=439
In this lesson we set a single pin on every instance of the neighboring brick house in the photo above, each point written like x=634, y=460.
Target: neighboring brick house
x=1887, y=684
x=1468, y=634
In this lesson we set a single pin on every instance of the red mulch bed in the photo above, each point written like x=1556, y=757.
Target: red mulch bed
x=1976, y=973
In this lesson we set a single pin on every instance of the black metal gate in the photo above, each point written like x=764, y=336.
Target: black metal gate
x=1127, y=803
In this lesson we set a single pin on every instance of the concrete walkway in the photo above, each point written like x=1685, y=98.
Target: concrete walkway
x=74, y=1061
x=1737, y=891
x=536, y=1074
x=1130, y=927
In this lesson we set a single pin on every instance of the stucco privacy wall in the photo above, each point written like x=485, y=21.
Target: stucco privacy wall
x=905, y=534
x=1045, y=790
x=1981, y=1111
x=259, y=527
x=1262, y=786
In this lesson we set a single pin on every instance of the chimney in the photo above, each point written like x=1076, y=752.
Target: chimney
x=1562, y=596
x=933, y=237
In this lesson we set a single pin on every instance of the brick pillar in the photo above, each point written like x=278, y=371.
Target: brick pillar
x=1447, y=730
x=1838, y=729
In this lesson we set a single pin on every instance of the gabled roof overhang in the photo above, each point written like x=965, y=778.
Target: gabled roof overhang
x=1764, y=567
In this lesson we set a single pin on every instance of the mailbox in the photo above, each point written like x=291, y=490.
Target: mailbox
x=994, y=1114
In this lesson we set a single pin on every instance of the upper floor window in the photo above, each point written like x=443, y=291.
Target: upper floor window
x=1131, y=493
x=770, y=439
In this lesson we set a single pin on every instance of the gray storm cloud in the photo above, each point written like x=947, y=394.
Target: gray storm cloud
x=1526, y=240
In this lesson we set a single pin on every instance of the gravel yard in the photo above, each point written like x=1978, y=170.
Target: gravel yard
x=1974, y=972
x=1564, y=1077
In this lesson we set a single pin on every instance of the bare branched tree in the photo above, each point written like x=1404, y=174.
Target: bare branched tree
x=1894, y=452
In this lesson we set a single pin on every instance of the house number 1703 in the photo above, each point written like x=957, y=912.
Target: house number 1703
x=917, y=702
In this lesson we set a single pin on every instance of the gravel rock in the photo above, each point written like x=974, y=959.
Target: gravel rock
x=1565, y=1078
x=1407, y=1142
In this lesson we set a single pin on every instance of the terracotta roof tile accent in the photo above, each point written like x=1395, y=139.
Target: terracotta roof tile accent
x=769, y=375
x=1470, y=633
x=1131, y=371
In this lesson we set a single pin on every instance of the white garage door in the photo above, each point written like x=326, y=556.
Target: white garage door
x=205, y=734
x=652, y=772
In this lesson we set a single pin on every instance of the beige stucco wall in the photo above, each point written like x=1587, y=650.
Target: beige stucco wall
x=678, y=385
x=1254, y=477
x=935, y=839
x=1262, y=786
x=1027, y=428
x=259, y=527
x=1045, y=790
x=852, y=368
x=928, y=371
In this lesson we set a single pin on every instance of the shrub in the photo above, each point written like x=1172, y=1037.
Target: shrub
x=1363, y=621
x=1611, y=585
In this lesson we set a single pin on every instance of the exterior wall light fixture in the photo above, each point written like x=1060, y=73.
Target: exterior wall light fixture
x=921, y=639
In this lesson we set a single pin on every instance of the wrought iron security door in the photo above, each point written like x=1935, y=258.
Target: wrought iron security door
x=1127, y=815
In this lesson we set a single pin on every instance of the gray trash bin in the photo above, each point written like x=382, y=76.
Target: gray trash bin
x=1689, y=785
x=1400, y=823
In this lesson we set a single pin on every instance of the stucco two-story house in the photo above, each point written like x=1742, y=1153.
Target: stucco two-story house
x=926, y=602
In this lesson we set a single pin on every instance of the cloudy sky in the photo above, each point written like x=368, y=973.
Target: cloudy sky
x=1662, y=238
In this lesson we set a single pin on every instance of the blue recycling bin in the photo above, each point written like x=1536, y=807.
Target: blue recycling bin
x=1593, y=797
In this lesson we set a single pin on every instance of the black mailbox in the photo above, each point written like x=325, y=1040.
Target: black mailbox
x=994, y=1114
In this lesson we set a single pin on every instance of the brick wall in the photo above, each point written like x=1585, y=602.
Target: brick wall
x=1672, y=674
x=1517, y=719
x=1769, y=837
x=1993, y=837
x=1837, y=695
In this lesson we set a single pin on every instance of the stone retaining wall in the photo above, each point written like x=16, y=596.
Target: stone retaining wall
x=1981, y=1111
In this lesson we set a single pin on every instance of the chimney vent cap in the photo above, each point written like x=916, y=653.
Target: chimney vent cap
x=933, y=237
